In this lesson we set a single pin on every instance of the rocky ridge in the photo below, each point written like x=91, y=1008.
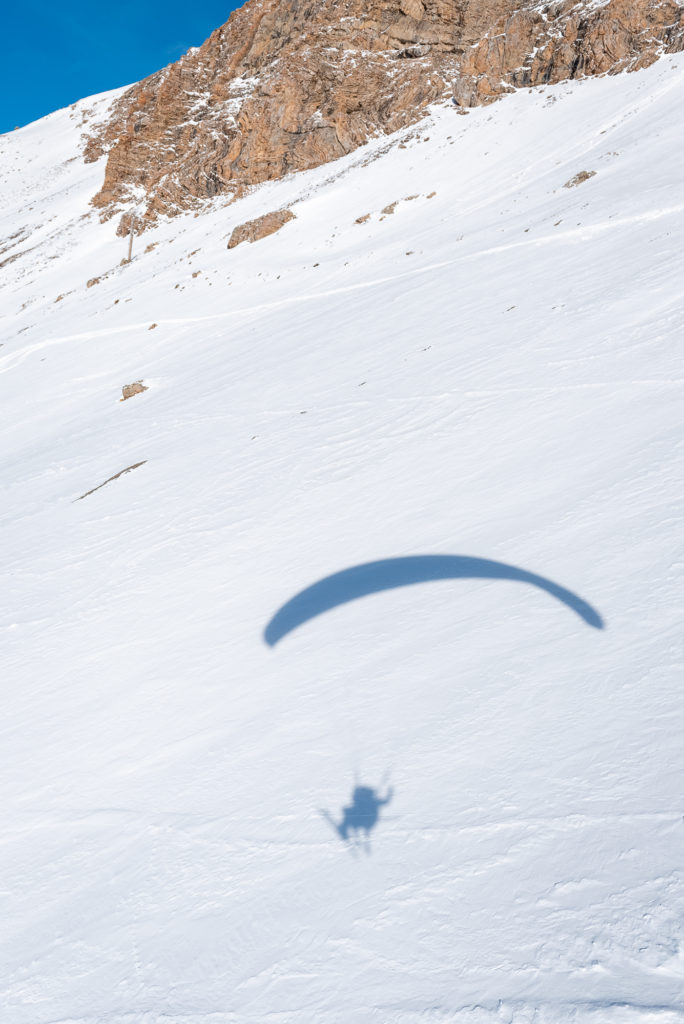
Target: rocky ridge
x=287, y=85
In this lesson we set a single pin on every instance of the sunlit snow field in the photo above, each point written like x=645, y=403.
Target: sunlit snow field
x=494, y=372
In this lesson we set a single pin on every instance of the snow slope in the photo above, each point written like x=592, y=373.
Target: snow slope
x=492, y=372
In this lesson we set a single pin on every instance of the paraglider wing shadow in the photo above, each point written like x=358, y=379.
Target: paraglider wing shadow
x=374, y=577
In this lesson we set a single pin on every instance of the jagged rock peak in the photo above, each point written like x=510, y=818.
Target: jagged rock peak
x=287, y=85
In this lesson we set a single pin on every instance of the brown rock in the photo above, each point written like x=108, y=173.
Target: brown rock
x=253, y=230
x=128, y=390
x=565, y=40
x=579, y=178
x=285, y=86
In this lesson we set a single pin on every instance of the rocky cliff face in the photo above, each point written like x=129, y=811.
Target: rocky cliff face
x=286, y=85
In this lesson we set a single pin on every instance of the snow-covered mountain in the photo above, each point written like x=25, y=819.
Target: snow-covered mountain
x=446, y=353
x=287, y=86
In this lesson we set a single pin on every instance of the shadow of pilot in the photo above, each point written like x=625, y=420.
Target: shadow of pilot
x=363, y=813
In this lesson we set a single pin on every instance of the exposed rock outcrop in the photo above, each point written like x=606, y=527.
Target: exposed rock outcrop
x=578, y=178
x=253, y=230
x=540, y=43
x=129, y=390
x=286, y=85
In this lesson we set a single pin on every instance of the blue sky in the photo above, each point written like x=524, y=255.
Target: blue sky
x=57, y=53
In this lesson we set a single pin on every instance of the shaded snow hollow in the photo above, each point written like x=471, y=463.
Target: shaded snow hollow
x=493, y=374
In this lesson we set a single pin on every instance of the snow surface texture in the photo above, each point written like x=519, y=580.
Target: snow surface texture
x=492, y=373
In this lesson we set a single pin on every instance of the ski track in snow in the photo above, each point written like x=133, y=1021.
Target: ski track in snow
x=9, y=361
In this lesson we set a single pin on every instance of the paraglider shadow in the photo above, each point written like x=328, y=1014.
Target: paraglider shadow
x=360, y=817
x=374, y=577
